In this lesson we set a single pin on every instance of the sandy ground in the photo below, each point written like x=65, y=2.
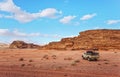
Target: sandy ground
x=52, y=63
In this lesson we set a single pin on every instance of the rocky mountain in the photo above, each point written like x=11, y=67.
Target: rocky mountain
x=22, y=45
x=100, y=39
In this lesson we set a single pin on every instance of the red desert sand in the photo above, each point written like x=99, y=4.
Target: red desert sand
x=53, y=63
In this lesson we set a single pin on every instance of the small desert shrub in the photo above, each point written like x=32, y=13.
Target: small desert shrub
x=46, y=57
x=54, y=56
x=11, y=56
x=60, y=67
x=30, y=60
x=73, y=63
x=106, y=63
x=3, y=52
x=99, y=64
x=65, y=75
x=105, y=60
x=77, y=61
x=22, y=65
x=115, y=65
x=69, y=58
x=21, y=59
x=115, y=52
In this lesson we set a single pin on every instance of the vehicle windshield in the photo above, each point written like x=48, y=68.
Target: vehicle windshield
x=92, y=53
x=95, y=53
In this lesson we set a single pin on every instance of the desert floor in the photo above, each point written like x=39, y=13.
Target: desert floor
x=52, y=63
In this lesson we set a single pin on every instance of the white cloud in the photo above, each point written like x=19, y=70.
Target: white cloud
x=3, y=31
x=110, y=22
x=67, y=19
x=49, y=12
x=16, y=33
x=88, y=16
x=22, y=16
x=7, y=36
x=1, y=15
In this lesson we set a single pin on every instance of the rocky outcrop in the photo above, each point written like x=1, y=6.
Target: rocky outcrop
x=100, y=39
x=22, y=45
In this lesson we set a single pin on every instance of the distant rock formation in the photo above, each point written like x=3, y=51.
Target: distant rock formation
x=22, y=45
x=3, y=45
x=100, y=39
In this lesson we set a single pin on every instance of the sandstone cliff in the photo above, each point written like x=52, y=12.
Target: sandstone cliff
x=22, y=45
x=101, y=39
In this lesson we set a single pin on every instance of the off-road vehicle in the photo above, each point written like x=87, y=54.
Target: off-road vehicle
x=90, y=55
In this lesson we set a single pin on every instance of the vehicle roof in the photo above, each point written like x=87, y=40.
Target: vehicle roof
x=90, y=51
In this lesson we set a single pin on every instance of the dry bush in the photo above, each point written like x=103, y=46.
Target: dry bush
x=99, y=64
x=115, y=65
x=46, y=56
x=68, y=58
x=65, y=75
x=30, y=60
x=105, y=60
x=21, y=59
x=77, y=61
x=106, y=63
x=59, y=68
x=73, y=63
x=54, y=56
x=22, y=65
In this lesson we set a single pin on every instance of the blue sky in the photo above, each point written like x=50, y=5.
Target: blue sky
x=43, y=21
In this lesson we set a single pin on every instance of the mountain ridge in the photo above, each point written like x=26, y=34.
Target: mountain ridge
x=103, y=39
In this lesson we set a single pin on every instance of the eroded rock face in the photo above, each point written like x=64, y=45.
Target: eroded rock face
x=100, y=39
x=22, y=45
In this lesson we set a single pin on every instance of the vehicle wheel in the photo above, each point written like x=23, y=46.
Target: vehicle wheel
x=96, y=59
x=89, y=59
x=83, y=57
